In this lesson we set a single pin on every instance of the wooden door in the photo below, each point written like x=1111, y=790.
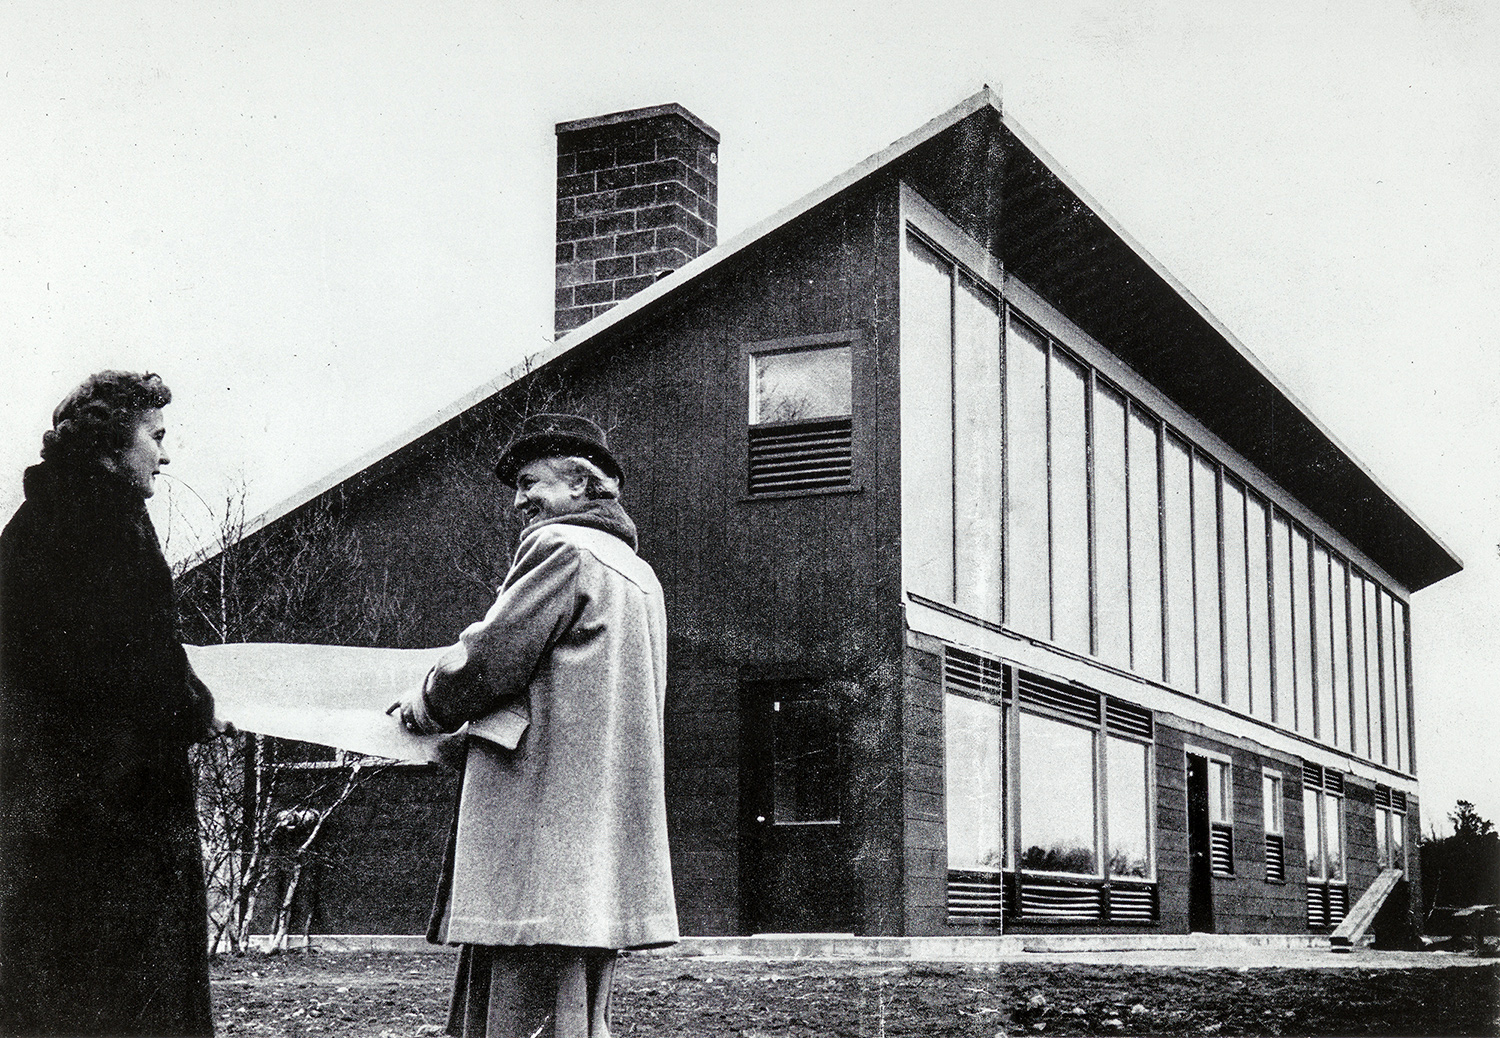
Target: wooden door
x=1200, y=866
x=794, y=863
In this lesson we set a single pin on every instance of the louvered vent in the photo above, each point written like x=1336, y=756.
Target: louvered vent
x=1382, y=796
x=975, y=895
x=1221, y=849
x=1275, y=858
x=1317, y=907
x=1060, y=698
x=1131, y=903
x=1338, y=905
x=1314, y=777
x=1128, y=719
x=970, y=672
x=1326, y=905
x=801, y=456
x=1043, y=900
x=1398, y=801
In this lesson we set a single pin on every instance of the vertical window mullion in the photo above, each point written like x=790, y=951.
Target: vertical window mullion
x=1129, y=544
x=953, y=461
x=1101, y=794
x=1161, y=544
x=1007, y=592
x=1048, y=350
x=1090, y=496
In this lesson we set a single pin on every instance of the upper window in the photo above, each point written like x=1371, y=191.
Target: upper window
x=800, y=417
x=796, y=385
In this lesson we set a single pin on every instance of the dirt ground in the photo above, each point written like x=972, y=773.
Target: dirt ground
x=396, y=995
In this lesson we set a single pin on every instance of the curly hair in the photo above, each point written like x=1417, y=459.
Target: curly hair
x=100, y=415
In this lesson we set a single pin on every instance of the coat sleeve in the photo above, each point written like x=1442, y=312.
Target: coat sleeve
x=496, y=659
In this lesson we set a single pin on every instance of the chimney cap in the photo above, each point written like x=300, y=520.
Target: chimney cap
x=637, y=114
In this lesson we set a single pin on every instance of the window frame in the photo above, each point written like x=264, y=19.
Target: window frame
x=1390, y=819
x=1221, y=815
x=859, y=417
x=1273, y=820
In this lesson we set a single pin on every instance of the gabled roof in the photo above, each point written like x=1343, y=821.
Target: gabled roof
x=1013, y=198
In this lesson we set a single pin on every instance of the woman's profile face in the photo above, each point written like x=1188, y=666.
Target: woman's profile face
x=143, y=457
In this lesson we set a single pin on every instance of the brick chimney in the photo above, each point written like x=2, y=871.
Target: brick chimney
x=637, y=197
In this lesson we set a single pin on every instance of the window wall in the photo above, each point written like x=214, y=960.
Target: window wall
x=1051, y=784
x=1122, y=538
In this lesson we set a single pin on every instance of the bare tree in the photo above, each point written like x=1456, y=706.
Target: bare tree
x=265, y=804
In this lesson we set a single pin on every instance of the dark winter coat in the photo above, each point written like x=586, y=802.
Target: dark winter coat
x=562, y=839
x=103, y=923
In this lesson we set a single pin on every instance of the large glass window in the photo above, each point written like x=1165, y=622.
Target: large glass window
x=1177, y=511
x=1028, y=550
x=1236, y=603
x=972, y=744
x=1057, y=812
x=1398, y=669
x=1392, y=680
x=927, y=476
x=1323, y=821
x=1302, y=677
x=976, y=451
x=1326, y=720
x=1258, y=579
x=1282, y=705
x=1111, y=539
x=1206, y=578
x=1359, y=697
x=1145, y=545
x=1056, y=790
x=1127, y=781
x=1070, y=503
x=1339, y=600
x=1375, y=675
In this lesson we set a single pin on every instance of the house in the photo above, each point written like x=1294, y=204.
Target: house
x=1007, y=590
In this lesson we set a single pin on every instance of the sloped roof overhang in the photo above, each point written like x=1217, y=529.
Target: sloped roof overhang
x=989, y=176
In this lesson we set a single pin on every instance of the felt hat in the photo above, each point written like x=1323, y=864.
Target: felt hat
x=553, y=436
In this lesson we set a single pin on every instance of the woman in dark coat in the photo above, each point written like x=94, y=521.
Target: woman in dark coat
x=103, y=923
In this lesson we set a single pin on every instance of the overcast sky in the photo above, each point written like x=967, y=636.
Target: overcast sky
x=321, y=222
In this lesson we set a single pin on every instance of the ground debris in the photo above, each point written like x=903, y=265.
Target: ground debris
x=349, y=995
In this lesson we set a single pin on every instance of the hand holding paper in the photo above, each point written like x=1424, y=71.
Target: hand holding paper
x=333, y=695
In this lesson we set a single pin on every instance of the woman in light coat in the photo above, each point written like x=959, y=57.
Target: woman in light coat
x=559, y=855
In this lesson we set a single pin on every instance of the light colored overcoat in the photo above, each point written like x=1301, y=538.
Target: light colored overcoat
x=563, y=839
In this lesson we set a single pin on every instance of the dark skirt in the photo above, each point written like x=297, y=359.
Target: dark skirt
x=531, y=992
x=103, y=915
